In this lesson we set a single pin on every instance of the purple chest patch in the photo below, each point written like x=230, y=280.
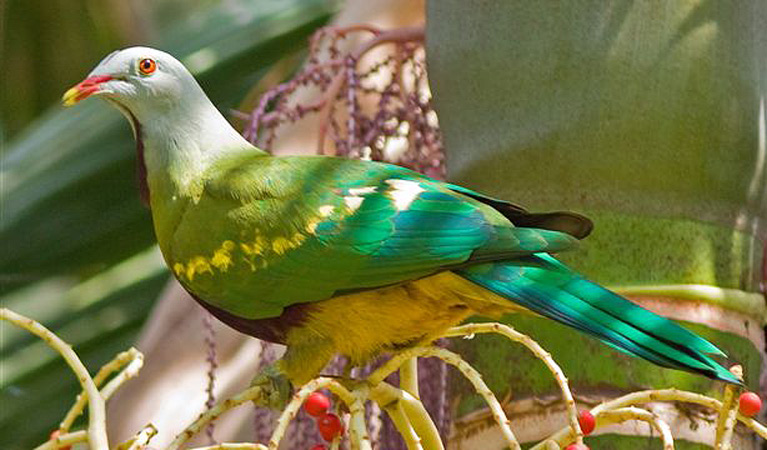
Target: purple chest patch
x=274, y=329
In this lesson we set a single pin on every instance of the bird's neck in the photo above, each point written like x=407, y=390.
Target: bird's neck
x=179, y=148
x=176, y=152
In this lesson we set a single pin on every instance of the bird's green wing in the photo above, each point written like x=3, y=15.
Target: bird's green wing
x=305, y=229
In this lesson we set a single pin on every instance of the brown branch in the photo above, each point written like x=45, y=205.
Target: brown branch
x=401, y=35
x=327, y=111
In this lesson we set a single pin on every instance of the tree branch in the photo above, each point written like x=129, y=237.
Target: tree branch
x=97, y=432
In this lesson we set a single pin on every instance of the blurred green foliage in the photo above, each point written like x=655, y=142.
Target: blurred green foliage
x=48, y=44
x=77, y=246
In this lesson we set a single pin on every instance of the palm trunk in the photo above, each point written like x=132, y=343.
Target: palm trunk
x=647, y=116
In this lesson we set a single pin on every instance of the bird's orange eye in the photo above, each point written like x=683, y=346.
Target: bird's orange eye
x=147, y=66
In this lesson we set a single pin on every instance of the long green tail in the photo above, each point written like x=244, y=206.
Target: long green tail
x=544, y=285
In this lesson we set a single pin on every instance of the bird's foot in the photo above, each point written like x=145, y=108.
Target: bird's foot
x=276, y=388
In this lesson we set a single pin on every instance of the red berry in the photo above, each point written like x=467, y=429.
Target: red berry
x=577, y=447
x=749, y=404
x=330, y=426
x=317, y=404
x=319, y=447
x=586, y=421
x=55, y=434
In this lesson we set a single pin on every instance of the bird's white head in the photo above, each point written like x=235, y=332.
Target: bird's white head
x=172, y=118
x=144, y=81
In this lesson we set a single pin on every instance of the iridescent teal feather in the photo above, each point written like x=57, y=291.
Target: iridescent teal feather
x=544, y=285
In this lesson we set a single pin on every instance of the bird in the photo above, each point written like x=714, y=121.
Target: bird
x=333, y=256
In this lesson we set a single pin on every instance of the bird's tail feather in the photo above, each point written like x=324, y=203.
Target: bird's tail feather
x=544, y=285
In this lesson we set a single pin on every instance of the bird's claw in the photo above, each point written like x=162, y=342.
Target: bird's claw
x=276, y=388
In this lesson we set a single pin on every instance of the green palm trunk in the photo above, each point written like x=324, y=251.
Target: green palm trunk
x=648, y=117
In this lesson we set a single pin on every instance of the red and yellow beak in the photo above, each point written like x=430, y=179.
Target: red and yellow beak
x=84, y=89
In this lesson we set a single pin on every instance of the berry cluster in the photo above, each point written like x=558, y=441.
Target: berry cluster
x=379, y=109
x=317, y=405
x=328, y=424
